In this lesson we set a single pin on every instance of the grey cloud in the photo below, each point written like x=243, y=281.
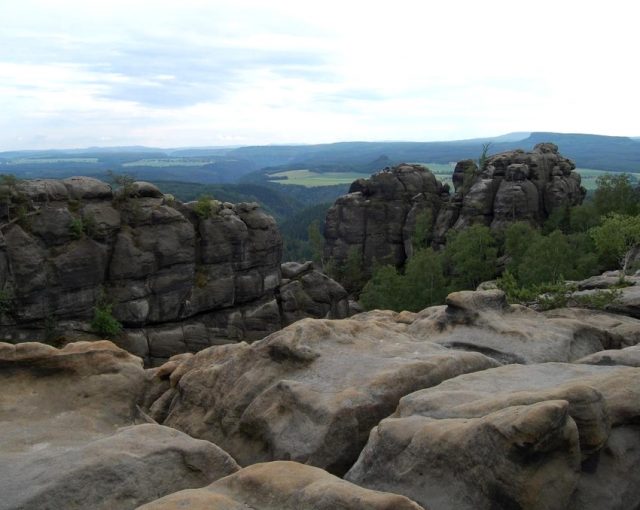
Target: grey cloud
x=202, y=72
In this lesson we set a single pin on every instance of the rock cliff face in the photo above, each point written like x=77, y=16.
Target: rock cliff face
x=377, y=219
x=178, y=279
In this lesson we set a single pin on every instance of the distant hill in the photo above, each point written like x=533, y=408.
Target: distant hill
x=249, y=164
x=589, y=151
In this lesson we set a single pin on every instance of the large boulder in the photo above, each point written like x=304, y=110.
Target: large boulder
x=281, y=486
x=309, y=393
x=73, y=436
x=554, y=435
x=307, y=292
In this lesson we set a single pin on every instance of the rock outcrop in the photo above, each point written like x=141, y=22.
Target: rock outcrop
x=553, y=435
x=482, y=321
x=281, y=486
x=476, y=404
x=179, y=277
x=377, y=219
x=307, y=292
x=309, y=393
x=73, y=436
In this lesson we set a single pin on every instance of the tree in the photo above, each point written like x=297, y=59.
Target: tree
x=316, y=241
x=424, y=279
x=423, y=284
x=384, y=290
x=547, y=259
x=349, y=272
x=616, y=194
x=472, y=256
x=517, y=239
x=484, y=156
x=583, y=217
x=615, y=237
x=559, y=219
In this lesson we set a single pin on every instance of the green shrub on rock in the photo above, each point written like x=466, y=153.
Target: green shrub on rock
x=104, y=323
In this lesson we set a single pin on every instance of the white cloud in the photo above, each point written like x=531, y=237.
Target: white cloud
x=171, y=73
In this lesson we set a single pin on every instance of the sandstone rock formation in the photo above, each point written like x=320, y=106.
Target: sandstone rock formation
x=371, y=221
x=627, y=300
x=307, y=292
x=178, y=278
x=377, y=219
x=553, y=436
x=482, y=321
x=472, y=405
x=309, y=393
x=74, y=438
x=281, y=486
x=629, y=356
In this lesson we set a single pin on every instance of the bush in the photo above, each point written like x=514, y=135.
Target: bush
x=599, y=299
x=204, y=206
x=545, y=295
x=76, y=228
x=104, y=323
x=123, y=184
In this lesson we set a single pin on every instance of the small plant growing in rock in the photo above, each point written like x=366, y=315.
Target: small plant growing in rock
x=6, y=301
x=90, y=225
x=201, y=279
x=484, y=156
x=600, y=299
x=76, y=228
x=104, y=323
x=74, y=205
x=204, y=206
x=123, y=184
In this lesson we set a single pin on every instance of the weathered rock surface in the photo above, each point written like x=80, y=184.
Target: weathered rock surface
x=553, y=436
x=307, y=292
x=483, y=321
x=377, y=219
x=73, y=436
x=620, y=331
x=627, y=301
x=415, y=404
x=629, y=356
x=178, y=281
x=281, y=486
x=309, y=393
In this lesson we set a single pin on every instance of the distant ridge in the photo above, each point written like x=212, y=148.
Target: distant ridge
x=616, y=153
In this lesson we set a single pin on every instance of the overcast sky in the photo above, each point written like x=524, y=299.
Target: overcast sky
x=195, y=73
